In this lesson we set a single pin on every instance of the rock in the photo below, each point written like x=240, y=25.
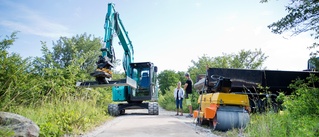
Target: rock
x=21, y=126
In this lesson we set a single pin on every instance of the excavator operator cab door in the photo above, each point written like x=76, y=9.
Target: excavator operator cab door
x=145, y=76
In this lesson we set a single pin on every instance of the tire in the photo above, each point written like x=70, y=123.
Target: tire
x=156, y=110
x=153, y=108
x=122, y=112
x=113, y=109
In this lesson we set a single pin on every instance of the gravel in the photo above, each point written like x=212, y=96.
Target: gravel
x=162, y=112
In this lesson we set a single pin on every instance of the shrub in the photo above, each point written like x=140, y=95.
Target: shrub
x=167, y=101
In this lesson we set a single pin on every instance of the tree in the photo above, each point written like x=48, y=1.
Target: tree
x=82, y=50
x=247, y=59
x=302, y=17
x=13, y=75
x=66, y=49
x=166, y=79
x=242, y=60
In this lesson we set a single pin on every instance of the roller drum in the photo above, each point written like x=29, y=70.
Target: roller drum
x=229, y=117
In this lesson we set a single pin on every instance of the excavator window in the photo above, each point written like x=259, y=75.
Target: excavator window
x=145, y=81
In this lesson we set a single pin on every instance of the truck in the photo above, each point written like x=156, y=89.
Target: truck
x=227, y=96
x=139, y=89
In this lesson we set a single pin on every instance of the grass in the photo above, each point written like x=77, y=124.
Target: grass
x=6, y=132
x=65, y=117
x=267, y=124
x=282, y=125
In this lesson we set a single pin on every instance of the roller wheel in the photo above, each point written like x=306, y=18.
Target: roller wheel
x=113, y=109
x=153, y=108
x=229, y=117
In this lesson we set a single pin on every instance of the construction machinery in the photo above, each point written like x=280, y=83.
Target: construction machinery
x=227, y=96
x=139, y=89
x=218, y=107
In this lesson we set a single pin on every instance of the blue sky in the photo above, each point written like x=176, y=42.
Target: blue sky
x=169, y=33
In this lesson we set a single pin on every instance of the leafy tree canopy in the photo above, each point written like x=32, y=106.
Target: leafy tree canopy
x=166, y=79
x=244, y=59
x=303, y=16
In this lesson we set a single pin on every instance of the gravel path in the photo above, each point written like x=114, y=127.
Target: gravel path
x=190, y=122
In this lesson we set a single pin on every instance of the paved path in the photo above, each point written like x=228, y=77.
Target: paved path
x=136, y=123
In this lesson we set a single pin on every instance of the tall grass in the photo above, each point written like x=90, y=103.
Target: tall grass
x=282, y=125
x=68, y=115
x=64, y=117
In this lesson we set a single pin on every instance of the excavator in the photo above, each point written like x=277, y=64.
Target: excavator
x=139, y=89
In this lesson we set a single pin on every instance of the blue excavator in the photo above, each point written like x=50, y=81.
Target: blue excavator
x=139, y=89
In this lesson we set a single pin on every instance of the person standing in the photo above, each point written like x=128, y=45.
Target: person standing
x=188, y=87
x=179, y=95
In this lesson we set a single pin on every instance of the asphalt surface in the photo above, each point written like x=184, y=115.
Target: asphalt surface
x=137, y=123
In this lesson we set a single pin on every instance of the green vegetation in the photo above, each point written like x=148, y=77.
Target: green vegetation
x=301, y=109
x=169, y=78
x=64, y=117
x=6, y=133
x=167, y=101
x=299, y=117
x=43, y=88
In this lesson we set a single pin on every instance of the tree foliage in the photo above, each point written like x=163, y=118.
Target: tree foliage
x=305, y=98
x=244, y=59
x=302, y=16
x=66, y=50
x=13, y=74
x=46, y=84
x=166, y=79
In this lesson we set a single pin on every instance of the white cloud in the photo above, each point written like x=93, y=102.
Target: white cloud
x=31, y=22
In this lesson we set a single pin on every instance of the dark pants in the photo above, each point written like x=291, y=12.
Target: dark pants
x=179, y=103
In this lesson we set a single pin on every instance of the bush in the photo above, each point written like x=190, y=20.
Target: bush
x=299, y=117
x=305, y=98
x=64, y=117
x=281, y=124
x=167, y=101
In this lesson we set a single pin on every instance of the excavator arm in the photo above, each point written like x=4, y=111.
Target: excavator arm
x=113, y=25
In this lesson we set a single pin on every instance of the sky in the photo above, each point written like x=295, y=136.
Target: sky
x=169, y=33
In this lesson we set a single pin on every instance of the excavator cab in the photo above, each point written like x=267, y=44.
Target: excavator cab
x=144, y=73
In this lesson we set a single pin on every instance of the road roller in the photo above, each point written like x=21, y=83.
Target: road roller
x=218, y=107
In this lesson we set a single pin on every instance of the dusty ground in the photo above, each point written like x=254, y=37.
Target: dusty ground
x=136, y=123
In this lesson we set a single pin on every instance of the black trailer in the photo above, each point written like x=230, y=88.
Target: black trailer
x=247, y=81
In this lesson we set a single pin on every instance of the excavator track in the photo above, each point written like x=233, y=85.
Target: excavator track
x=229, y=117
